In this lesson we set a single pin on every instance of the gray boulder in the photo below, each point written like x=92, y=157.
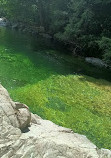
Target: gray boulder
x=42, y=139
x=3, y=22
x=14, y=114
x=95, y=61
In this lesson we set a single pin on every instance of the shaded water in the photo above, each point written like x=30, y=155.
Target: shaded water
x=26, y=60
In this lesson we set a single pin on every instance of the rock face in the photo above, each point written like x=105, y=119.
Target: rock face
x=25, y=135
x=95, y=62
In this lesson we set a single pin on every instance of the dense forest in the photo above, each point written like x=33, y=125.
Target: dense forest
x=84, y=26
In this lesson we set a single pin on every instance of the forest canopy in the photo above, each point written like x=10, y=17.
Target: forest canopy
x=82, y=25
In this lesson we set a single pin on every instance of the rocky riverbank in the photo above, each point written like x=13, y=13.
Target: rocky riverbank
x=25, y=135
x=28, y=28
x=24, y=27
x=3, y=22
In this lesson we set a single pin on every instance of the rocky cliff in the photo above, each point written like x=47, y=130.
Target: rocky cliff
x=25, y=135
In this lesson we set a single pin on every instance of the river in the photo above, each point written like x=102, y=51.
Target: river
x=55, y=85
x=26, y=60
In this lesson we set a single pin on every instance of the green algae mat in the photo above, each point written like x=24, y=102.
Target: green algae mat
x=57, y=86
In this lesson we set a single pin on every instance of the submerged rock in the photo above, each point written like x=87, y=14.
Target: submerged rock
x=95, y=61
x=25, y=135
x=15, y=26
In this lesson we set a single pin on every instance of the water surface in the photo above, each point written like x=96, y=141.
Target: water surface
x=26, y=60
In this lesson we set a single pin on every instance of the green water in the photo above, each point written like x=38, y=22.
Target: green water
x=26, y=60
x=57, y=86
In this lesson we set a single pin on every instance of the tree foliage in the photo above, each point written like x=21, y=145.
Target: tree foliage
x=83, y=25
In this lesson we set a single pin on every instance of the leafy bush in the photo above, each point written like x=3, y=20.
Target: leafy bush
x=105, y=46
